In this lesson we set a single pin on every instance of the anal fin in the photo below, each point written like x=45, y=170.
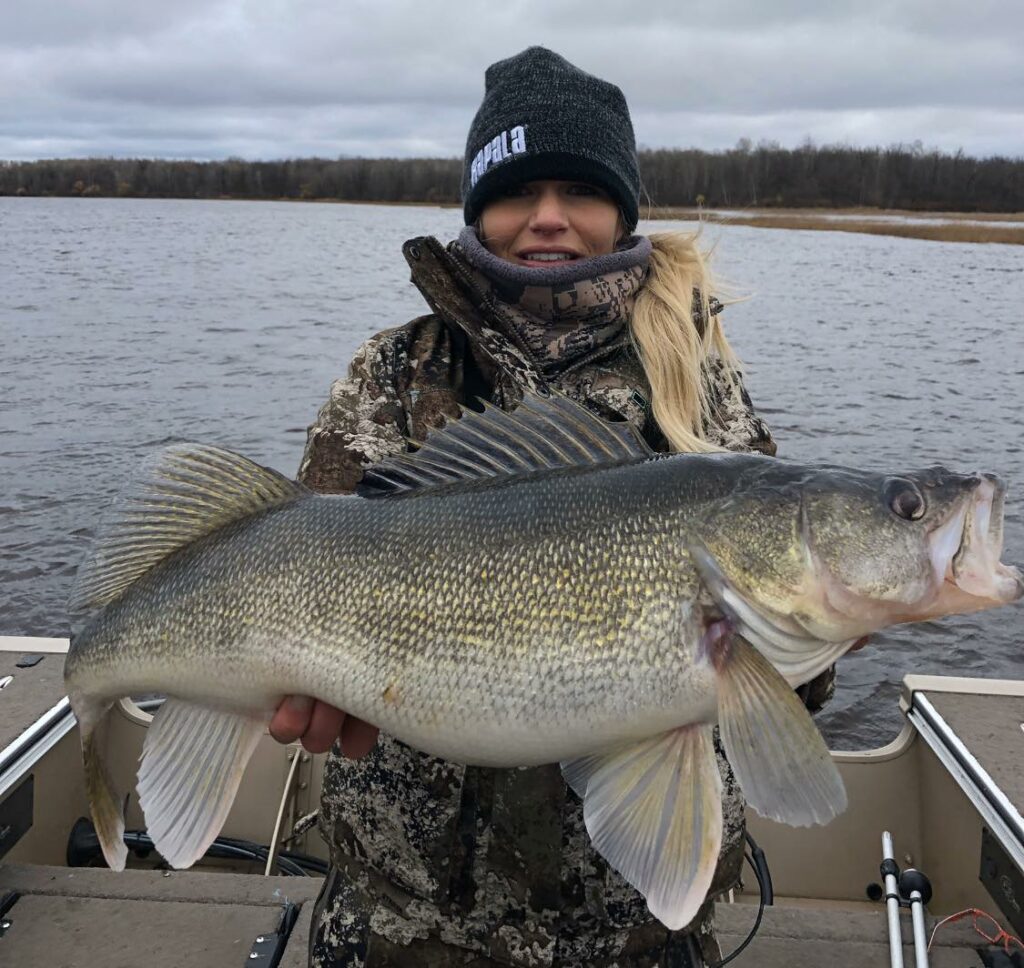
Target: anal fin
x=780, y=759
x=193, y=760
x=654, y=811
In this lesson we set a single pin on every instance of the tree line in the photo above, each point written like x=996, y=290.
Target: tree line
x=766, y=175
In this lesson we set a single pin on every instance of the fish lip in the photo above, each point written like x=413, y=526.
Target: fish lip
x=974, y=568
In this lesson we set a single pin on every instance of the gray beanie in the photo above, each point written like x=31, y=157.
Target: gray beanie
x=541, y=117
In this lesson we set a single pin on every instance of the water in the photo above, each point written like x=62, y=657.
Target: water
x=127, y=324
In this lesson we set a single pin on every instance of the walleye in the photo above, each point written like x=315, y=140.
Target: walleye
x=526, y=588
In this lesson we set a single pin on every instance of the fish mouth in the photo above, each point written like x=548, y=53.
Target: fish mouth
x=966, y=549
x=968, y=576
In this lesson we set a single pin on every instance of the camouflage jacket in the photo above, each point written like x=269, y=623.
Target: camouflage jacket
x=432, y=860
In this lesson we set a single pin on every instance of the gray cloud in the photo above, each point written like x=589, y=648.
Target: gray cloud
x=394, y=77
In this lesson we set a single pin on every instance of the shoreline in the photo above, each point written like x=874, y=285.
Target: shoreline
x=930, y=226
x=965, y=227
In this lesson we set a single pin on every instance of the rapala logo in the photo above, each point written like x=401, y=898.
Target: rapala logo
x=504, y=146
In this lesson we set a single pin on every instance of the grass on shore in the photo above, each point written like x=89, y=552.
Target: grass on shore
x=946, y=227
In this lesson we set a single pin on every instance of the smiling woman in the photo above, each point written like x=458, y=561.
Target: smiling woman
x=546, y=289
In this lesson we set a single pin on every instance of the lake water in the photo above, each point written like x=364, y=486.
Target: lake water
x=127, y=324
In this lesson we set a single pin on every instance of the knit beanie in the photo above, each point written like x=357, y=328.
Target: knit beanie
x=541, y=118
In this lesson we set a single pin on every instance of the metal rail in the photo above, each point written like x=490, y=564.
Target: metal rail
x=892, y=903
x=999, y=814
x=18, y=757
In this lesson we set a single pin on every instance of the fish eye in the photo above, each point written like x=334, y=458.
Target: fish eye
x=905, y=500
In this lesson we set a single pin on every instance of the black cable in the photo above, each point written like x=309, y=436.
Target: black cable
x=764, y=883
x=83, y=847
x=222, y=847
x=303, y=860
x=307, y=861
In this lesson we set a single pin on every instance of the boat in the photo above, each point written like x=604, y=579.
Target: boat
x=948, y=791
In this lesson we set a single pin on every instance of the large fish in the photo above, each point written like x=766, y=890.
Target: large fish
x=526, y=588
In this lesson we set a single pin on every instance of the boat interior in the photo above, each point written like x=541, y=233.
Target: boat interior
x=949, y=790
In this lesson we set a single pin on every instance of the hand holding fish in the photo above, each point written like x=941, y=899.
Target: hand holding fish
x=318, y=725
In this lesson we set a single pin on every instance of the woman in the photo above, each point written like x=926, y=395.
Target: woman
x=434, y=863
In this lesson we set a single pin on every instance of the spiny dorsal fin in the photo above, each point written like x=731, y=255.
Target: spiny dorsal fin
x=179, y=494
x=541, y=434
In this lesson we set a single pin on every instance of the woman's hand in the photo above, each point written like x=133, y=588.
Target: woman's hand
x=318, y=725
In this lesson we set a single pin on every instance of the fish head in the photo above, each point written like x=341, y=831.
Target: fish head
x=908, y=548
x=814, y=562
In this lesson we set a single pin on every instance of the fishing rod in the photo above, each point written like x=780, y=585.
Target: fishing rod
x=910, y=889
x=890, y=871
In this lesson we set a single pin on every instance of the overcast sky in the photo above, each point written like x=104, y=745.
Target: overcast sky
x=289, y=78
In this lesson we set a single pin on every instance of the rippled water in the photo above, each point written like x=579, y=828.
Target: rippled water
x=127, y=324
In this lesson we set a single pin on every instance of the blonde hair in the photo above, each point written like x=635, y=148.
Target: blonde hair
x=677, y=345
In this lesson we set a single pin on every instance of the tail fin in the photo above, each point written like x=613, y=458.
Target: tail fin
x=105, y=801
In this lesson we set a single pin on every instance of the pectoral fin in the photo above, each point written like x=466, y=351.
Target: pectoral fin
x=653, y=810
x=192, y=763
x=783, y=765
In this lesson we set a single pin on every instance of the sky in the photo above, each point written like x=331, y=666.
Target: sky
x=267, y=79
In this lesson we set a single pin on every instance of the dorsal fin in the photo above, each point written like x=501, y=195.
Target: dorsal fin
x=541, y=434
x=179, y=494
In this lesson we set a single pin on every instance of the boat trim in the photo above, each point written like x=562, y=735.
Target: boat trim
x=892, y=750
x=19, y=756
x=34, y=743
x=915, y=682
x=25, y=643
x=995, y=808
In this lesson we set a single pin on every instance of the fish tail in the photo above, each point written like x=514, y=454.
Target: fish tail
x=782, y=764
x=105, y=801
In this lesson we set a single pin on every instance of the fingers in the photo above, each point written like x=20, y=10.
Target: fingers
x=860, y=643
x=324, y=727
x=291, y=719
x=357, y=737
x=318, y=725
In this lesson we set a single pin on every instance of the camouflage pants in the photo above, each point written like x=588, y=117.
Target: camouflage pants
x=349, y=925
x=437, y=864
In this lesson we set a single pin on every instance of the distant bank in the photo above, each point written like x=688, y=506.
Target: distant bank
x=901, y=190
x=1006, y=228
x=1003, y=227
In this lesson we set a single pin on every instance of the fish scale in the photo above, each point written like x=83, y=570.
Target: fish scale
x=524, y=589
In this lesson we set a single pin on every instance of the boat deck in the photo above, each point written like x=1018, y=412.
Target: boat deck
x=169, y=919
x=161, y=919
x=31, y=690
x=984, y=724
x=809, y=934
